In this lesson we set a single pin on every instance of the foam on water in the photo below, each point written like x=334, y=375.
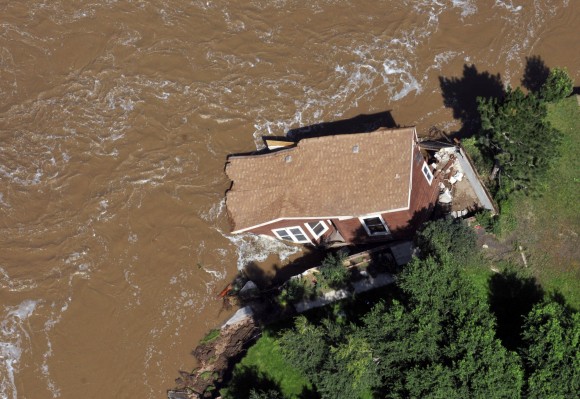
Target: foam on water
x=214, y=212
x=468, y=7
x=14, y=284
x=56, y=316
x=13, y=335
x=257, y=248
x=367, y=67
x=508, y=5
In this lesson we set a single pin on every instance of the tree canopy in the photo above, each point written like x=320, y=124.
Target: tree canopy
x=552, y=351
x=437, y=340
x=514, y=130
x=558, y=86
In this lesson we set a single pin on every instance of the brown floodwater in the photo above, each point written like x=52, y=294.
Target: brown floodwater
x=115, y=121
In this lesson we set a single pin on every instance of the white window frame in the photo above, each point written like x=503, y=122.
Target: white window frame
x=289, y=233
x=386, y=233
x=429, y=174
x=311, y=230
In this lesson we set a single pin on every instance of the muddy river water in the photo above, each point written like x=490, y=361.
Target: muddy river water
x=115, y=121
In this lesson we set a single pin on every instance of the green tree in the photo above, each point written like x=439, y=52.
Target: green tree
x=551, y=351
x=558, y=86
x=515, y=131
x=261, y=394
x=455, y=330
x=318, y=351
x=437, y=340
x=333, y=273
x=444, y=236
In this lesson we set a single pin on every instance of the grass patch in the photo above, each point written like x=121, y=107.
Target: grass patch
x=208, y=375
x=210, y=336
x=479, y=272
x=266, y=358
x=547, y=225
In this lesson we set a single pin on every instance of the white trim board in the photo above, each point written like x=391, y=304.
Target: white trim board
x=316, y=218
x=294, y=239
x=386, y=233
x=311, y=230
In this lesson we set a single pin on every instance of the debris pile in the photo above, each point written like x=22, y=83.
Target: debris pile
x=456, y=194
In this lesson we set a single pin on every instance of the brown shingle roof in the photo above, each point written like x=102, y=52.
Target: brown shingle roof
x=322, y=177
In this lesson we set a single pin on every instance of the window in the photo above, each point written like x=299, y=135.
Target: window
x=427, y=173
x=294, y=234
x=375, y=226
x=317, y=228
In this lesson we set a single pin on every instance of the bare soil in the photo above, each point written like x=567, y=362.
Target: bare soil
x=214, y=359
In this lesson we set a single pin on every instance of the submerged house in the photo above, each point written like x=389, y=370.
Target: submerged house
x=334, y=190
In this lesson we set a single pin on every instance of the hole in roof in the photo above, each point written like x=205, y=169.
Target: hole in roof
x=355, y=149
x=288, y=158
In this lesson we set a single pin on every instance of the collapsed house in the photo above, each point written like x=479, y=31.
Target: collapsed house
x=334, y=190
x=461, y=190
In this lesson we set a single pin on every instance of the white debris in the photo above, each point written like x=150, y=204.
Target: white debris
x=445, y=197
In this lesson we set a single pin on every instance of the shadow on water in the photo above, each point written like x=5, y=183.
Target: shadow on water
x=359, y=124
x=460, y=94
x=511, y=298
x=267, y=276
x=535, y=74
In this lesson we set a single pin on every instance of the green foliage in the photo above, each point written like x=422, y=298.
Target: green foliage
x=547, y=226
x=438, y=342
x=207, y=375
x=515, y=131
x=483, y=162
x=507, y=220
x=447, y=236
x=261, y=394
x=265, y=369
x=295, y=290
x=333, y=273
x=210, y=336
x=486, y=220
x=323, y=352
x=552, y=351
x=558, y=86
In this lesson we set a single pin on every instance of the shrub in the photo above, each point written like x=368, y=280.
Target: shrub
x=210, y=336
x=558, y=85
x=333, y=274
x=295, y=289
x=483, y=161
x=447, y=236
x=507, y=220
x=486, y=220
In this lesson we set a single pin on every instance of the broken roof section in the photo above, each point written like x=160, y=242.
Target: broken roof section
x=323, y=177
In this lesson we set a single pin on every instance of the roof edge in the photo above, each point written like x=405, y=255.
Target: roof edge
x=318, y=218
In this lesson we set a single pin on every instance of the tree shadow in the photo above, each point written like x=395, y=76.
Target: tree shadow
x=511, y=298
x=460, y=94
x=359, y=124
x=248, y=378
x=535, y=74
x=308, y=393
